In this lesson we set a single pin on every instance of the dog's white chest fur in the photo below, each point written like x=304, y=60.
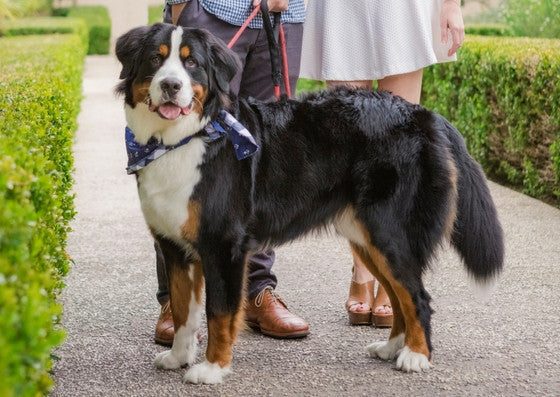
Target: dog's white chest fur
x=165, y=185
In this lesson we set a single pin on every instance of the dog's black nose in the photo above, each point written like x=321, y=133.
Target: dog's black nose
x=171, y=86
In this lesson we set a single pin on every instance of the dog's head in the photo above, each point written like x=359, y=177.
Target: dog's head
x=175, y=80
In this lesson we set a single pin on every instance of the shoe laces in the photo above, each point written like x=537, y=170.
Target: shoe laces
x=166, y=306
x=260, y=297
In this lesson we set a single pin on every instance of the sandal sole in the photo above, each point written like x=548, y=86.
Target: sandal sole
x=383, y=320
x=359, y=318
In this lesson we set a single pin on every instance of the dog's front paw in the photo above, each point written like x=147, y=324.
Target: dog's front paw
x=206, y=372
x=409, y=361
x=386, y=350
x=168, y=360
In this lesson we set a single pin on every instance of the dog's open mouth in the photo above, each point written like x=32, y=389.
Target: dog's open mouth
x=170, y=110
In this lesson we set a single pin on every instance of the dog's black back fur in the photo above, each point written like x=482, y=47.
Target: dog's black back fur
x=328, y=149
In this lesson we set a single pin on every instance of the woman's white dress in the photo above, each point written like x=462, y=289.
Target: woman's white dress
x=371, y=39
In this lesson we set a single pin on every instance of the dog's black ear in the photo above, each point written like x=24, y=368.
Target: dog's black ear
x=128, y=47
x=226, y=63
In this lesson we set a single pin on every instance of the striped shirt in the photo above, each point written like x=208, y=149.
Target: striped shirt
x=235, y=12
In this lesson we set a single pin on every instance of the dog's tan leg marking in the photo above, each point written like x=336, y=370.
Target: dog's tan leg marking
x=415, y=338
x=186, y=287
x=398, y=319
x=222, y=332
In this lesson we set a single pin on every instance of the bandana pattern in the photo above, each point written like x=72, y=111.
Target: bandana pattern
x=243, y=142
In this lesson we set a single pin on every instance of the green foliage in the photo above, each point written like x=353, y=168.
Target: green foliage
x=555, y=155
x=40, y=93
x=44, y=25
x=531, y=180
x=533, y=18
x=99, y=25
x=304, y=85
x=488, y=30
x=92, y=23
x=155, y=14
x=60, y=11
x=22, y=8
x=503, y=94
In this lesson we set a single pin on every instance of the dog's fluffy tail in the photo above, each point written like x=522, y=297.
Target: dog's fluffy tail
x=477, y=234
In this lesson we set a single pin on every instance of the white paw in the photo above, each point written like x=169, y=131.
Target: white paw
x=185, y=346
x=169, y=360
x=409, y=361
x=386, y=350
x=206, y=372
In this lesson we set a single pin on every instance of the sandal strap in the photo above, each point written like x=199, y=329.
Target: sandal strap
x=360, y=293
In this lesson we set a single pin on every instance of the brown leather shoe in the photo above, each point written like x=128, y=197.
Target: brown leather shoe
x=164, y=327
x=268, y=314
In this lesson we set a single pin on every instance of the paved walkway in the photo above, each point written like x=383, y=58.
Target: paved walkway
x=505, y=344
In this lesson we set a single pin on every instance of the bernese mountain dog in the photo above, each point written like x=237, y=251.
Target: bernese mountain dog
x=220, y=178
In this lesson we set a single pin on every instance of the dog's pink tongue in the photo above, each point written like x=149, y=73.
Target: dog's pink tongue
x=169, y=111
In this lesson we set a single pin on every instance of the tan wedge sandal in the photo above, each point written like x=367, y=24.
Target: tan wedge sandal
x=361, y=295
x=381, y=320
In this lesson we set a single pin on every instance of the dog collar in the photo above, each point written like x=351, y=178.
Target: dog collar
x=243, y=142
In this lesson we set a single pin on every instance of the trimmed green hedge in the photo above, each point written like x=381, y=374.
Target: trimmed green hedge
x=98, y=23
x=44, y=25
x=92, y=23
x=503, y=94
x=488, y=30
x=40, y=94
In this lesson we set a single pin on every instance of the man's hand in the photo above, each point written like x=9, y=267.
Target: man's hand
x=274, y=5
x=451, y=22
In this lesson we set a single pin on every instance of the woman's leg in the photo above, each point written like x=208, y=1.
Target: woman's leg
x=407, y=85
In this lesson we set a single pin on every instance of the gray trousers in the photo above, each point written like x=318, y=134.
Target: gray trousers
x=253, y=79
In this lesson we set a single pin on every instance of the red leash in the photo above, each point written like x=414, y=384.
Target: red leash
x=282, y=47
x=244, y=26
x=284, y=64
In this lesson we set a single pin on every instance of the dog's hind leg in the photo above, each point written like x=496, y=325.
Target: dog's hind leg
x=386, y=350
x=186, y=283
x=409, y=338
x=224, y=300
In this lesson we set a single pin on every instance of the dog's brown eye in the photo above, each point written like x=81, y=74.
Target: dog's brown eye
x=155, y=60
x=190, y=62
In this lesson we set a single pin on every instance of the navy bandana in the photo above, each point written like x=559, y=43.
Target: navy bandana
x=243, y=142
